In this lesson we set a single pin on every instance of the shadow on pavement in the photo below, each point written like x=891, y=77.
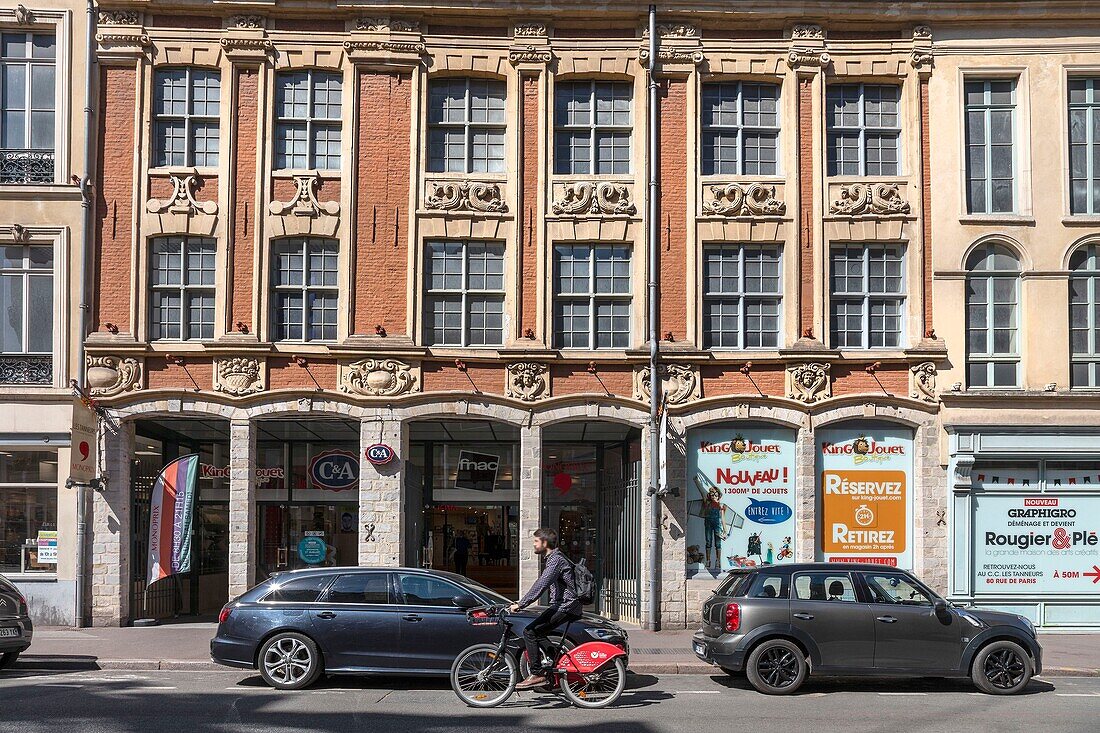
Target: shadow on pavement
x=930, y=685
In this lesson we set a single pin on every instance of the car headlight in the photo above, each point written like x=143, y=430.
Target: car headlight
x=602, y=634
x=1028, y=625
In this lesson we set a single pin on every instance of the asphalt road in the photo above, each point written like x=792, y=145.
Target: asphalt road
x=195, y=702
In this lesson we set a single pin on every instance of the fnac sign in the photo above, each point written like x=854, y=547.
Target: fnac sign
x=334, y=470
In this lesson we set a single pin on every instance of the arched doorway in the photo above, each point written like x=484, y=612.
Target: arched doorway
x=462, y=500
x=591, y=495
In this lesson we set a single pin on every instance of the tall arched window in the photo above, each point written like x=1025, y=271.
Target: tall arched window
x=993, y=317
x=1084, y=320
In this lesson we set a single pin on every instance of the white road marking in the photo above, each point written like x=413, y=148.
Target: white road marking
x=142, y=689
x=900, y=694
x=1077, y=694
x=697, y=692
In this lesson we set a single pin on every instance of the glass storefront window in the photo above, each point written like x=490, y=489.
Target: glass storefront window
x=28, y=506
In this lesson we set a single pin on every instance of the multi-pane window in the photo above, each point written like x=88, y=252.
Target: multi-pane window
x=466, y=126
x=26, y=299
x=740, y=129
x=1084, y=145
x=992, y=317
x=181, y=281
x=186, y=107
x=592, y=296
x=592, y=127
x=867, y=298
x=864, y=129
x=305, y=289
x=1084, y=316
x=742, y=290
x=307, y=120
x=27, y=91
x=990, y=123
x=464, y=299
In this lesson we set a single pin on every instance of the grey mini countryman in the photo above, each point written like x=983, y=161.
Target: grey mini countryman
x=779, y=623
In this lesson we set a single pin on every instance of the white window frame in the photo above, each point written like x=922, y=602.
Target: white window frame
x=305, y=289
x=741, y=296
x=986, y=108
x=468, y=126
x=188, y=118
x=564, y=166
x=25, y=272
x=183, y=289
x=866, y=298
x=311, y=121
x=466, y=294
x=592, y=297
x=43, y=448
x=1091, y=108
x=739, y=129
x=862, y=128
x=989, y=357
x=1089, y=275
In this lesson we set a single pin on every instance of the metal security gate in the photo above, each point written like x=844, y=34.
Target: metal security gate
x=618, y=571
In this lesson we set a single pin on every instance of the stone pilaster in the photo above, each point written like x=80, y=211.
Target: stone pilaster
x=109, y=585
x=645, y=566
x=382, y=495
x=242, y=507
x=530, y=501
x=805, y=515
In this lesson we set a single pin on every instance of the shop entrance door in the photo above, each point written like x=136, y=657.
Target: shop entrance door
x=296, y=535
x=479, y=541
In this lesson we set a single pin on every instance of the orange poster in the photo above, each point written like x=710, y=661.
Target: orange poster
x=863, y=511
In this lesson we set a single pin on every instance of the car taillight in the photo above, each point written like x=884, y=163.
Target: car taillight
x=224, y=615
x=733, y=617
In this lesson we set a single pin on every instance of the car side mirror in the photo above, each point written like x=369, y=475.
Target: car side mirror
x=465, y=601
x=940, y=606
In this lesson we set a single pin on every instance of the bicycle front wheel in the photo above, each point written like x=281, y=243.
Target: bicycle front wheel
x=482, y=678
x=597, y=689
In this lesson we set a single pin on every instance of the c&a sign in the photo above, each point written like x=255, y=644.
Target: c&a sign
x=334, y=470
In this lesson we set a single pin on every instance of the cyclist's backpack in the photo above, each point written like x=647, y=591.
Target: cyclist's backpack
x=584, y=583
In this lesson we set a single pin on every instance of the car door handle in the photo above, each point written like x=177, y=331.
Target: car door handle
x=412, y=617
x=887, y=619
x=326, y=614
x=804, y=616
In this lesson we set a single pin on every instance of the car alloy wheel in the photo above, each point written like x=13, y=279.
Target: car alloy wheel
x=290, y=661
x=1004, y=669
x=777, y=667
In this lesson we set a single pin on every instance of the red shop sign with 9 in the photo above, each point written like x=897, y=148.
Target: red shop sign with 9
x=380, y=454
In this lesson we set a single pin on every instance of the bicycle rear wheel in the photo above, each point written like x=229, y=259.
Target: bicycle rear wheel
x=597, y=689
x=483, y=679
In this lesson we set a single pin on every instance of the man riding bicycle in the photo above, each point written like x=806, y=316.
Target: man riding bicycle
x=557, y=576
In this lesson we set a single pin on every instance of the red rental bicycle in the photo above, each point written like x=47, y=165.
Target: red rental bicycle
x=592, y=675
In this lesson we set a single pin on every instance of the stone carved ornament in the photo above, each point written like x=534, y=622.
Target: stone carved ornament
x=182, y=200
x=922, y=380
x=112, y=375
x=384, y=25
x=808, y=57
x=239, y=376
x=870, y=198
x=528, y=381
x=464, y=196
x=590, y=197
x=530, y=55
x=304, y=202
x=808, y=31
x=118, y=17
x=734, y=199
x=247, y=22
x=531, y=29
x=809, y=383
x=378, y=378
x=675, y=55
x=679, y=383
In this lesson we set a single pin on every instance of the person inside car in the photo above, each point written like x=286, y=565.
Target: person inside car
x=557, y=576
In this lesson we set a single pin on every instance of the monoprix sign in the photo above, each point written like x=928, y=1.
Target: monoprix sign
x=335, y=470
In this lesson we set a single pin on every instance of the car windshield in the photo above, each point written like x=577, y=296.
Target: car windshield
x=487, y=593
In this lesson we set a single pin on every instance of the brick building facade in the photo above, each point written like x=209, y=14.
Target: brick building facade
x=321, y=229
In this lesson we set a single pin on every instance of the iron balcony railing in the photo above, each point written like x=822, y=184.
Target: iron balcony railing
x=26, y=166
x=26, y=369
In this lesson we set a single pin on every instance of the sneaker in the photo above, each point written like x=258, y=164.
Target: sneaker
x=531, y=682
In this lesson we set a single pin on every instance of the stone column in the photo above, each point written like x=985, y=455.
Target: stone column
x=110, y=533
x=242, y=507
x=530, y=501
x=647, y=569
x=805, y=512
x=382, y=494
x=674, y=518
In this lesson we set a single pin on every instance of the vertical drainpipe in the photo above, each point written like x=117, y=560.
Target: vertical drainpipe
x=88, y=211
x=654, y=378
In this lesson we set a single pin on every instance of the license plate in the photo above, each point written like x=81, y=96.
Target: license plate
x=699, y=648
x=9, y=632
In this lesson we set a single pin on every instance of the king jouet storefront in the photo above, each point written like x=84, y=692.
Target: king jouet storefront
x=1025, y=522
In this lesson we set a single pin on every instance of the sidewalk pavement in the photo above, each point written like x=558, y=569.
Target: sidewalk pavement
x=187, y=646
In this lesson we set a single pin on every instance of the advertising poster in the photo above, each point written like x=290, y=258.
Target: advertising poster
x=866, y=494
x=741, y=497
x=1045, y=543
